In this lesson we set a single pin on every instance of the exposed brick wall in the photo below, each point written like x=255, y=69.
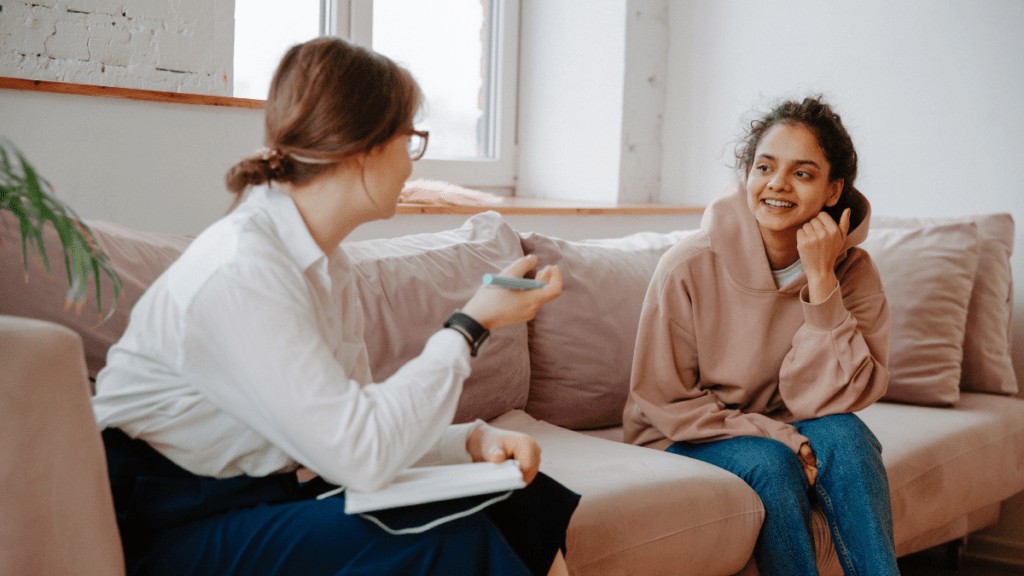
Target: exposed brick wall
x=170, y=45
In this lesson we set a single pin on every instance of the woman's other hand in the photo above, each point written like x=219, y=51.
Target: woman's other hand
x=810, y=462
x=820, y=242
x=489, y=444
x=496, y=307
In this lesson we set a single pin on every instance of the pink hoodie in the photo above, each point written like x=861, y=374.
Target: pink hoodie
x=721, y=352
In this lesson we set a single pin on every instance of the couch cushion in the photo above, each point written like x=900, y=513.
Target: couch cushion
x=928, y=273
x=408, y=285
x=138, y=257
x=948, y=468
x=987, y=364
x=581, y=345
x=58, y=514
x=824, y=549
x=644, y=511
x=944, y=463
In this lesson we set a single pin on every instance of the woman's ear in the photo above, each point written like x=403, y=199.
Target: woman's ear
x=354, y=162
x=835, y=191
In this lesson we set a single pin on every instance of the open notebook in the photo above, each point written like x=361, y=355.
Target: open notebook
x=433, y=483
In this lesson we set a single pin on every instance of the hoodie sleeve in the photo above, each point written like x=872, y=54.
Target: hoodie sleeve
x=665, y=387
x=838, y=362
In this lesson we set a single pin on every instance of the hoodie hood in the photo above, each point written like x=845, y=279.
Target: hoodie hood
x=735, y=238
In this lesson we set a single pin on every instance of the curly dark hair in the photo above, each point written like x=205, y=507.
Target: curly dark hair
x=819, y=117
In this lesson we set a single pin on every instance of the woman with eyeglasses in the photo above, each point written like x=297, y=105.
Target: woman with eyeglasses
x=245, y=361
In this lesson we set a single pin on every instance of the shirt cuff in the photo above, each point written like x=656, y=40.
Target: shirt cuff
x=450, y=339
x=451, y=448
x=794, y=440
x=826, y=315
x=453, y=442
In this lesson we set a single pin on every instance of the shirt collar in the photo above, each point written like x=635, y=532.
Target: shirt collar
x=300, y=244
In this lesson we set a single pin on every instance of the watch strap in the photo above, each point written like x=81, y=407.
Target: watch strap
x=474, y=333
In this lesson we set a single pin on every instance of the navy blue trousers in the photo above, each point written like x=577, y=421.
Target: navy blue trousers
x=174, y=522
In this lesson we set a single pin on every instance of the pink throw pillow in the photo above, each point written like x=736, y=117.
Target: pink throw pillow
x=988, y=361
x=410, y=284
x=928, y=273
x=581, y=345
x=138, y=257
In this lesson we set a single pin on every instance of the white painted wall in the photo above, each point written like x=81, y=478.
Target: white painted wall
x=592, y=99
x=643, y=102
x=571, y=69
x=931, y=90
x=152, y=165
x=180, y=46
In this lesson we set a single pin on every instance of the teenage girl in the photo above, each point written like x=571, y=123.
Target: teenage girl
x=761, y=335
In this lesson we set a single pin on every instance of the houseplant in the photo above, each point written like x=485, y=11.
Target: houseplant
x=30, y=198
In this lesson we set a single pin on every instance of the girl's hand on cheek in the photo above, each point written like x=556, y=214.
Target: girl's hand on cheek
x=820, y=242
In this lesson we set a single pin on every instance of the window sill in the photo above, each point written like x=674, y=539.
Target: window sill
x=538, y=206
x=507, y=205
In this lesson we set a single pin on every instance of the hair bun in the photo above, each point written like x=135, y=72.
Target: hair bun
x=274, y=160
x=251, y=171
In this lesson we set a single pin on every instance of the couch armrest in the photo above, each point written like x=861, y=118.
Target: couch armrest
x=57, y=511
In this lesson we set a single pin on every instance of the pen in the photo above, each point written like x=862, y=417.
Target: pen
x=512, y=283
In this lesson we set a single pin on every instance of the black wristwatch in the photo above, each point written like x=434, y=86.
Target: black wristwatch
x=471, y=330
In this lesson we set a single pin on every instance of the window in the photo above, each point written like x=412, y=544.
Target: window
x=462, y=53
x=264, y=30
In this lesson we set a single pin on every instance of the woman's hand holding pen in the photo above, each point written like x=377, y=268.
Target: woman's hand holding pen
x=490, y=444
x=496, y=307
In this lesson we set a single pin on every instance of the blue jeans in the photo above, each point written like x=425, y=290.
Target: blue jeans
x=852, y=489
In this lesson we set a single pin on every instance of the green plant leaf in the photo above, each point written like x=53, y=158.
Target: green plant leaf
x=29, y=197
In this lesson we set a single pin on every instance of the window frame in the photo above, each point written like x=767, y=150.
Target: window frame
x=353, y=19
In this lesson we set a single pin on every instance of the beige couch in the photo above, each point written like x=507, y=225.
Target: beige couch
x=954, y=447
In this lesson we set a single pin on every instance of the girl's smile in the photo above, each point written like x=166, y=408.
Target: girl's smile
x=788, y=183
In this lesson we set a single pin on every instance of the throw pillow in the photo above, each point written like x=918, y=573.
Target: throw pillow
x=408, y=285
x=928, y=273
x=988, y=362
x=581, y=344
x=138, y=257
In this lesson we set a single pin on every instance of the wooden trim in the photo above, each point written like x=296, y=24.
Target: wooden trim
x=536, y=206
x=129, y=93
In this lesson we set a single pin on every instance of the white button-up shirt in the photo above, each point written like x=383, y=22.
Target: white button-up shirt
x=247, y=357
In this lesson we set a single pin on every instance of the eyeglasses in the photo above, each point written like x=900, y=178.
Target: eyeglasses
x=418, y=143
